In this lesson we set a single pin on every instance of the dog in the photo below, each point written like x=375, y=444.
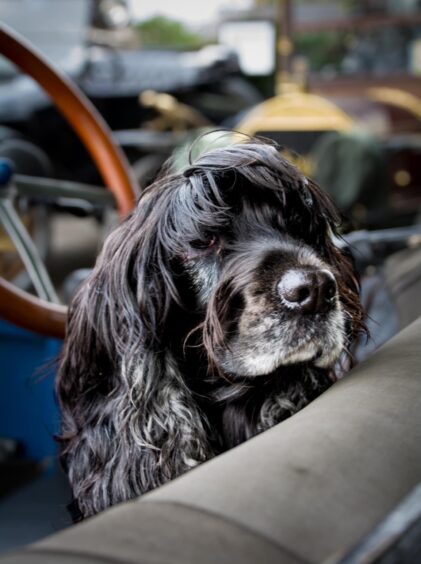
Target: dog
x=218, y=308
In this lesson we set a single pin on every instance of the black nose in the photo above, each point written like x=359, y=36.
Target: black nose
x=309, y=291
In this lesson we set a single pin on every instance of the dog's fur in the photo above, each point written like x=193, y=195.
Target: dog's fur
x=179, y=344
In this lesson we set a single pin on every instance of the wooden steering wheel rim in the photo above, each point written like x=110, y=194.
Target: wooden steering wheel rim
x=16, y=306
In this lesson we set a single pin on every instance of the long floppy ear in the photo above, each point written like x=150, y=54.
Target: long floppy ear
x=347, y=276
x=129, y=422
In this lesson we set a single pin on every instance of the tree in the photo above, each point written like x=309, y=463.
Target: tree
x=163, y=31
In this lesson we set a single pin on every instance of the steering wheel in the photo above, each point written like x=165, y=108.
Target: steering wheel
x=17, y=306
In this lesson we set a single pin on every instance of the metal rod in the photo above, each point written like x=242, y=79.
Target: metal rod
x=37, y=187
x=27, y=251
x=285, y=43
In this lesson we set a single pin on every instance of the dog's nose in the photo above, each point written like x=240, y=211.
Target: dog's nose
x=309, y=291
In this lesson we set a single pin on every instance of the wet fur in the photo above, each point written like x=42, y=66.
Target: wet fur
x=178, y=346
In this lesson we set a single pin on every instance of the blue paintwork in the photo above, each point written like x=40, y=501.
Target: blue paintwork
x=6, y=171
x=28, y=408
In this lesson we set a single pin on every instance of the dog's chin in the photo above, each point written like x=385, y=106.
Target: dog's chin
x=322, y=354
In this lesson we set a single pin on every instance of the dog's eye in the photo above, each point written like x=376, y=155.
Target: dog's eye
x=203, y=244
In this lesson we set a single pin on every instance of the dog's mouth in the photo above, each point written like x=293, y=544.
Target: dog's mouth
x=286, y=344
x=318, y=355
x=311, y=352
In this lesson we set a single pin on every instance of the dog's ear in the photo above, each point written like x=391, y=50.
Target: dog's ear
x=348, y=281
x=342, y=260
x=129, y=422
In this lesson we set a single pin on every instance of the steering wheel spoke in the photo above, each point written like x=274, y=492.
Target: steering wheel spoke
x=27, y=251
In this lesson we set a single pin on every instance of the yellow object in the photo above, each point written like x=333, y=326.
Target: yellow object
x=398, y=98
x=296, y=111
x=172, y=114
x=402, y=178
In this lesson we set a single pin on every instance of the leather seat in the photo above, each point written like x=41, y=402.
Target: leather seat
x=304, y=491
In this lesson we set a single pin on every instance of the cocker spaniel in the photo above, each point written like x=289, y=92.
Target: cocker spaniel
x=218, y=308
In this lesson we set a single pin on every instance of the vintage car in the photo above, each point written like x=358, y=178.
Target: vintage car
x=336, y=482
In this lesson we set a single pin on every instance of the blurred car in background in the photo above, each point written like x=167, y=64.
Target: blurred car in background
x=92, y=42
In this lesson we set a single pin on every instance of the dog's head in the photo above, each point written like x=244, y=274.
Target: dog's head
x=244, y=243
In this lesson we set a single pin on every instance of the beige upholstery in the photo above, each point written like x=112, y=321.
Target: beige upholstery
x=403, y=276
x=309, y=488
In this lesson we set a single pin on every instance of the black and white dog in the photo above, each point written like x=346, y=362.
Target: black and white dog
x=216, y=310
